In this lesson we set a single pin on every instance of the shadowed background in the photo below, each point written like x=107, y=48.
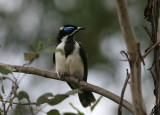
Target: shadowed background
x=25, y=21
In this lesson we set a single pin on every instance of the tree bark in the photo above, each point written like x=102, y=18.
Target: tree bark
x=82, y=84
x=135, y=58
x=152, y=13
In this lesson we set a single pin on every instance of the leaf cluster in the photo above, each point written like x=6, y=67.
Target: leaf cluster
x=48, y=47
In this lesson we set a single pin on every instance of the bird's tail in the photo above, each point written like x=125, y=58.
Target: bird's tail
x=86, y=98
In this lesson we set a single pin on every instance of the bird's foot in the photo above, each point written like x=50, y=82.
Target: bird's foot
x=79, y=80
x=63, y=75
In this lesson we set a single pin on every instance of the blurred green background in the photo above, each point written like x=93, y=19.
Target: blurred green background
x=26, y=21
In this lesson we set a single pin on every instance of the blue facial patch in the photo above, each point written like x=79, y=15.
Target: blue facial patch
x=68, y=29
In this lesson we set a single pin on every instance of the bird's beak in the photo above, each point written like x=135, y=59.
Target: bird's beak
x=77, y=30
x=80, y=28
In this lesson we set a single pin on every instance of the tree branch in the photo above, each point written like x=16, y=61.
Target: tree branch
x=149, y=34
x=122, y=93
x=82, y=84
x=150, y=49
x=135, y=57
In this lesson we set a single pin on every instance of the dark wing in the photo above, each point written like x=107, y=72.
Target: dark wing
x=84, y=59
x=54, y=58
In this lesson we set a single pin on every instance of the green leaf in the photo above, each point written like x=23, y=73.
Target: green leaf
x=50, y=49
x=69, y=113
x=50, y=42
x=72, y=92
x=5, y=70
x=92, y=107
x=53, y=112
x=57, y=99
x=11, y=69
x=60, y=97
x=44, y=98
x=31, y=47
x=39, y=46
x=2, y=88
x=79, y=113
x=20, y=110
x=22, y=95
x=30, y=56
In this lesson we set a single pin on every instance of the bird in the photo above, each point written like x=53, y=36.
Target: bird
x=70, y=60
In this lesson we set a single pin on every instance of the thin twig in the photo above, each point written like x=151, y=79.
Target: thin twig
x=33, y=103
x=125, y=55
x=5, y=77
x=122, y=94
x=4, y=106
x=149, y=34
x=10, y=104
x=150, y=49
x=14, y=90
x=82, y=84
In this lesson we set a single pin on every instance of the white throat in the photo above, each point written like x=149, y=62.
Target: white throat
x=64, y=38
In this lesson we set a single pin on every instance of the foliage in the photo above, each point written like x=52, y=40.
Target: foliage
x=54, y=99
x=98, y=100
x=53, y=112
x=48, y=98
x=41, y=47
x=5, y=71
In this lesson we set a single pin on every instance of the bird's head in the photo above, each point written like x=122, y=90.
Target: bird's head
x=68, y=31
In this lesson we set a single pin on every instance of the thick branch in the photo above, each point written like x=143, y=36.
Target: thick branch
x=135, y=57
x=126, y=26
x=83, y=85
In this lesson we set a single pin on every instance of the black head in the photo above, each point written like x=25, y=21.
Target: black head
x=68, y=31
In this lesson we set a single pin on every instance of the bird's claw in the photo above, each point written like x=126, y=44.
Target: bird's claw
x=63, y=75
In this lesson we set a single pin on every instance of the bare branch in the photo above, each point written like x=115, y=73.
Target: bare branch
x=82, y=84
x=150, y=49
x=122, y=93
x=4, y=105
x=10, y=104
x=135, y=57
x=126, y=26
x=149, y=34
x=33, y=103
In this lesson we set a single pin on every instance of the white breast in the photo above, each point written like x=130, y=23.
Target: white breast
x=71, y=65
x=61, y=65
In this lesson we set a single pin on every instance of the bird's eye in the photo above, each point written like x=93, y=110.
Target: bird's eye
x=68, y=29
